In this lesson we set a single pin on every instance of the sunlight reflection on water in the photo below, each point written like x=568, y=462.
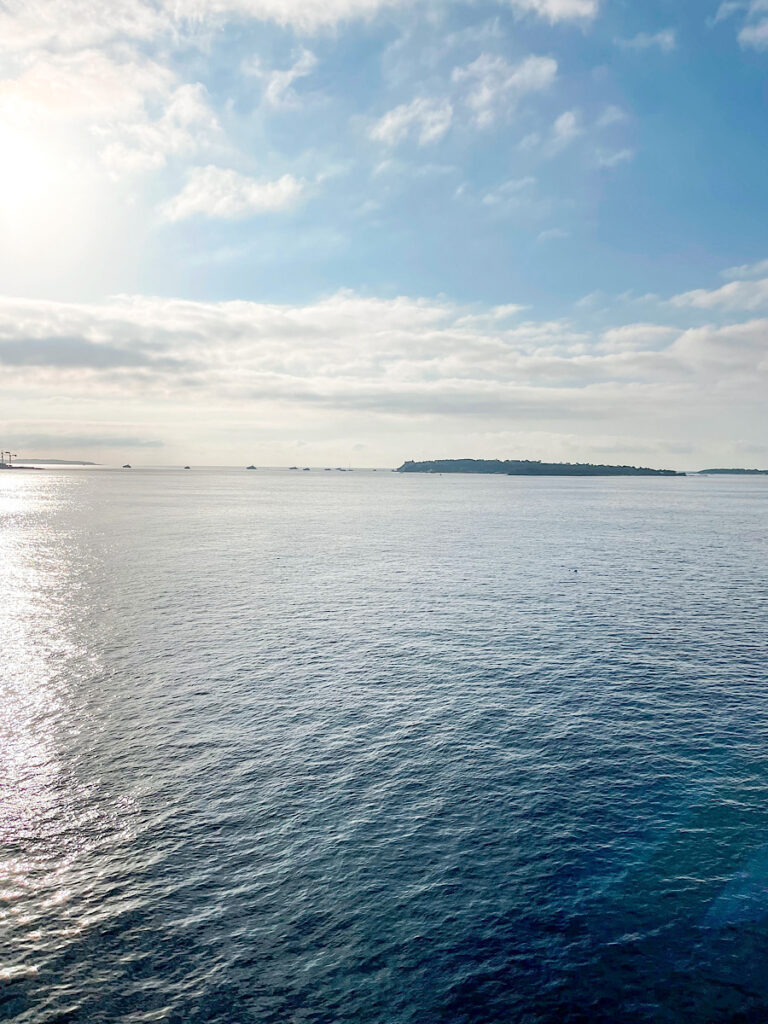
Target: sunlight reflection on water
x=49, y=820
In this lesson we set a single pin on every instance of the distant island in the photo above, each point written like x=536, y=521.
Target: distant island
x=738, y=472
x=528, y=467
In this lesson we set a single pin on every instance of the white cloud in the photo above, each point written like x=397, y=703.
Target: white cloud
x=427, y=119
x=77, y=24
x=490, y=87
x=755, y=36
x=565, y=129
x=610, y=116
x=551, y=235
x=568, y=127
x=305, y=15
x=613, y=158
x=634, y=337
x=87, y=86
x=509, y=192
x=746, y=270
x=494, y=86
x=218, y=192
x=665, y=40
x=398, y=360
x=726, y=9
x=754, y=30
x=736, y=351
x=72, y=24
x=558, y=10
x=278, y=88
x=134, y=107
x=738, y=295
x=401, y=355
x=186, y=125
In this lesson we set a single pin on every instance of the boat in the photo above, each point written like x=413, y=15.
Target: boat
x=247, y=467
x=187, y=467
x=127, y=465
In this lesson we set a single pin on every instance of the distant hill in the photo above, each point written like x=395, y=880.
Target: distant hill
x=527, y=467
x=53, y=462
x=739, y=472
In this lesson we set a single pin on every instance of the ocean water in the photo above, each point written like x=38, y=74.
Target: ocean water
x=321, y=747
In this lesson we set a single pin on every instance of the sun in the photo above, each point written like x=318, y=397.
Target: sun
x=29, y=169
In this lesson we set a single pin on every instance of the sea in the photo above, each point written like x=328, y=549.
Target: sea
x=303, y=748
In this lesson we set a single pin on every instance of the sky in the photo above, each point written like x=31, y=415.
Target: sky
x=355, y=232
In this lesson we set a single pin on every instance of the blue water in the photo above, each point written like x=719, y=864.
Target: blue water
x=362, y=747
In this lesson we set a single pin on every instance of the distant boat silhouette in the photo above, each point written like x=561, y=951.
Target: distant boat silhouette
x=293, y=467
x=186, y=467
x=127, y=465
x=250, y=467
x=306, y=469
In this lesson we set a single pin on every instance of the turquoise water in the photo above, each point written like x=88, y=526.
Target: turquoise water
x=281, y=747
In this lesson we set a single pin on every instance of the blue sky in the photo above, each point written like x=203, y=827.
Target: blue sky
x=362, y=230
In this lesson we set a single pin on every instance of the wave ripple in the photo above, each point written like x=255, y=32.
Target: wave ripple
x=364, y=748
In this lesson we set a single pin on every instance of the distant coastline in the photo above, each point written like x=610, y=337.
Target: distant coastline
x=733, y=472
x=528, y=467
x=15, y=462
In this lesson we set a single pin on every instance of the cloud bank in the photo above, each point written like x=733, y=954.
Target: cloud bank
x=403, y=359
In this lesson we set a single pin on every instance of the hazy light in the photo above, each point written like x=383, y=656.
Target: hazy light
x=53, y=207
x=28, y=169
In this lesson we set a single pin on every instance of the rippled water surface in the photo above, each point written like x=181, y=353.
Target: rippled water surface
x=319, y=747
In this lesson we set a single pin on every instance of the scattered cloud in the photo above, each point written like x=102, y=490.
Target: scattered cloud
x=565, y=129
x=665, y=40
x=728, y=8
x=278, y=85
x=558, y=10
x=552, y=234
x=758, y=269
x=738, y=295
x=218, y=192
x=510, y=192
x=426, y=119
x=85, y=86
x=186, y=125
x=755, y=35
x=134, y=107
x=608, y=159
x=494, y=86
x=72, y=24
x=754, y=30
x=77, y=24
x=610, y=116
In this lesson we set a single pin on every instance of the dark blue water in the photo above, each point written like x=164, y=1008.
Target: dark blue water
x=361, y=747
